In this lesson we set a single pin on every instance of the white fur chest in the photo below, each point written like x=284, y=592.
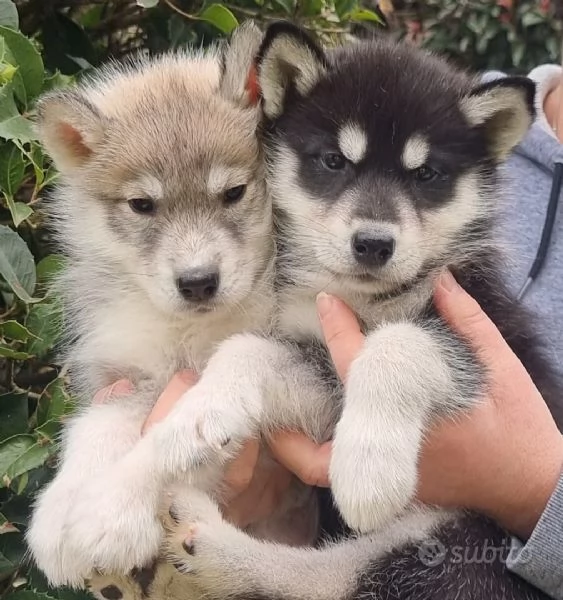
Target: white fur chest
x=131, y=336
x=298, y=316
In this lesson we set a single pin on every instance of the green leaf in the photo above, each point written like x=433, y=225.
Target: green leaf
x=12, y=170
x=552, y=46
x=17, y=128
x=35, y=157
x=30, y=459
x=15, y=331
x=147, y=3
x=17, y=266
x=45, y=322
x=6, y=526
x=19, y=211
x=311, y=8
x=11, y=450
x=6, y=567
x=51, y=175
x=13, y=414
x=180, y=32
x=68, y=594
x=518, y=50
x=49, y=431
x=219, y=16
x=363, y=14
x=34, y=595
x=9, y=14
x=531, y=18
x=8, y=108
x=345, y=7
x=7, y=352
x=7, y=73
x=49, y=267
x=287, y=5
x=52, y=403
x=12, y=550
x=20, y=483
x=58, y=79
x=92, y=16
x=25, y=56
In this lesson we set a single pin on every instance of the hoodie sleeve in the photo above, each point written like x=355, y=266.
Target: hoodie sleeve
x=540, y=560
x=492, y=76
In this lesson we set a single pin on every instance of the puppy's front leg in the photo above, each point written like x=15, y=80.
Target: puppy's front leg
x=251, y=384
x=406, y=374
x=93, y=440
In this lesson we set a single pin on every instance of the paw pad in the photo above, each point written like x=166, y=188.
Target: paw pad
x=144, y=577
x=111, y=592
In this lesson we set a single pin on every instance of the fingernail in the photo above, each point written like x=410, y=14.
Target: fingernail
x=448, y=282
x=325, y=302
x=187, y=376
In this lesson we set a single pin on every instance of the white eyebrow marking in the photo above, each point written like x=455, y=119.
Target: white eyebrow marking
x=353, y=142
x=145, y=186
x=222, y=178
x=415, y=153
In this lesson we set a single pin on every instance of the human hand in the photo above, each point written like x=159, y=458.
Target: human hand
x=251, y=492
x=503, y=459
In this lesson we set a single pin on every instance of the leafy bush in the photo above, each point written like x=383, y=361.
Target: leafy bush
x=43, y=44
x=506, y=35
x=33, y=398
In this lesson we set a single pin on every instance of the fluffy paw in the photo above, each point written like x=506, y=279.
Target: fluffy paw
x=200, y=543
x=206, y=427
x=373, y=475
x=114, y=525
x=46, y=536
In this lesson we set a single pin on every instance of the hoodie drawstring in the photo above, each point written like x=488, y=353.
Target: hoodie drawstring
x=547, y=230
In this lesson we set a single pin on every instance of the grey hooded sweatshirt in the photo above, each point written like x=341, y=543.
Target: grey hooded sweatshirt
x=528, y=180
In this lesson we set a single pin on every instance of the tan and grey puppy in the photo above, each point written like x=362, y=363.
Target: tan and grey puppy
x=164, y=217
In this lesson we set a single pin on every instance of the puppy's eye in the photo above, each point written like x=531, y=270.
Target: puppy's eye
x=143, y=206
x=425, y=174
x=334, y=161
x=234, y=194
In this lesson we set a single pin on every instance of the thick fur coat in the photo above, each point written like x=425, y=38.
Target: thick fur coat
x=166, y=223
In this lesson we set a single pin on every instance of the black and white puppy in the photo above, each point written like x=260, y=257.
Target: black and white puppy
x=383, y=165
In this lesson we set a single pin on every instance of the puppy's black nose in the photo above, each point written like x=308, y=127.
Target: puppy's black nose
x=372, y=250
x=198, y=285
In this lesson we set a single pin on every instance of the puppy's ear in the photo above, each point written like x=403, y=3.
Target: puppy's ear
x=504, y=108
x=70, y=128
x=238, y=61
x=288, y=59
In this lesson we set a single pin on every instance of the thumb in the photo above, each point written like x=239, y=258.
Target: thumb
x=467, y=318
x=341, y=331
